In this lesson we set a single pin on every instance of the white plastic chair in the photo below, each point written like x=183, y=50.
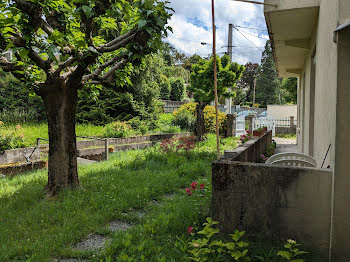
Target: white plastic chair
x=292, y=159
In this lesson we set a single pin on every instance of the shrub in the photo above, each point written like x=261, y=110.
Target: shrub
x=13, y=139
x=138, y=125
x=209, y=116
x=185, y=120
x=165, y=88
x=117, y=129
x=177, y=89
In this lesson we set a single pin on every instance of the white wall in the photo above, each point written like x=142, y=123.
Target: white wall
x=281, y=111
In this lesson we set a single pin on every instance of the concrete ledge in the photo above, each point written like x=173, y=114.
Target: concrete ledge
x=273, y=202
x=20, y=168
x=18, y=155
x=251, y=150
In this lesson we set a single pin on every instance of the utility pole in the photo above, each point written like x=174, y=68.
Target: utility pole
x=215, y=82
x=254, y=90
x=229, y=46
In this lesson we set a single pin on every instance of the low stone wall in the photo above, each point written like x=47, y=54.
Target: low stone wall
x=273, y=202
x=12, y=170
x=124, y=140
x=286, y=130
x=19, y=155
x=251, y=150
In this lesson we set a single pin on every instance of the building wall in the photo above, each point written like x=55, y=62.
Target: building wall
x=341, y=220
x=282, y=111
x=324, y=102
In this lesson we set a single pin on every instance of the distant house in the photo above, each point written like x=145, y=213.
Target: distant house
x=311, y=41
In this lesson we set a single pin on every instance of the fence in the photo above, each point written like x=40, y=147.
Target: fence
x=260, y=122
x=171, y=106
x=285, y=122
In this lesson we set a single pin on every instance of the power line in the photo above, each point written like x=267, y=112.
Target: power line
x=253, y=35
x=257, y=29
x=247, y=38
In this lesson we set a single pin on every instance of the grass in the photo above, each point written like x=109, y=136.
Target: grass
x=31, y=131
x=289, y=136
x=33, y=228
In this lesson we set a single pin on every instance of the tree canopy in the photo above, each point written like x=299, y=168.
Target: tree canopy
x=202, y=78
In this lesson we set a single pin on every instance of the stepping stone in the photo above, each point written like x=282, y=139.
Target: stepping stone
x=93, y=242
x=118, y=225
x=84, y=161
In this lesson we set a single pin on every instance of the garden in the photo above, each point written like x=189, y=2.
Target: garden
x=163, y=193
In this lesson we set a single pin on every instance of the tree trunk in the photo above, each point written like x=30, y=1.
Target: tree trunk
x=200, y=126
x=60, y=103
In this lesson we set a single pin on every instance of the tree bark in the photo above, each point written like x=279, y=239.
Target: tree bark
x=60, y=102
x=200, y=126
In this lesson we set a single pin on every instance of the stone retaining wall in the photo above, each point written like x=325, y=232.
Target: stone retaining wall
x=19, y=155
x=286, y=130
x=12, y=170
x=251, y=150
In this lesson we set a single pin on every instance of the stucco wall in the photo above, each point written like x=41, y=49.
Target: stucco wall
x=342, y=178
x=281, y=111
x=273, y=202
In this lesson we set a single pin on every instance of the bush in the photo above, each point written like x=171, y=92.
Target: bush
x=117, y=129
x=185, y=120
x=209, y=116
x=177, y=89
x=13, y=139
x=165, y=88
x=138, y=125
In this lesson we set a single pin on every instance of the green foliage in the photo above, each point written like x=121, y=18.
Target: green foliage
x=138, y=125
x=185, y=120
x=267, y=84
x=17, y=104
x=165, y=88
x=290, y=86
x=12, y=139
x=117, y=129
x=209, y=116
x=292, y=252
x=207, y=248
x=177, y=89
x=245, y=85
x=202, y=78
x=123, y=102
x=177, y=71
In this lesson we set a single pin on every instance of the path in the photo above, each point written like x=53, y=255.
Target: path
x=285, y=145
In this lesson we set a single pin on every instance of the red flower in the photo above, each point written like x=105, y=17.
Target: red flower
x=188, y=191
x=194, y=185
x=202, y=186
x=189, y=230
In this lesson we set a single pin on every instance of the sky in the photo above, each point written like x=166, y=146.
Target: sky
x=191, y=24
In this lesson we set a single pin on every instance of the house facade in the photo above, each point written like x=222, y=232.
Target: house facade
x=311, y=41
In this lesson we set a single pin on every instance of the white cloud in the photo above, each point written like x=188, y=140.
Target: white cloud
x=191, y=25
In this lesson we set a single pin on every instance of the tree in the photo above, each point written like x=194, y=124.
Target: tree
x=246, y=83
x=60, y=49
x=177, y=88
x=290, y=86
x=267, y=83
x=202, y=84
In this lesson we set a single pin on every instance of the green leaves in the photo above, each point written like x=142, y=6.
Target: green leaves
x=292, y=251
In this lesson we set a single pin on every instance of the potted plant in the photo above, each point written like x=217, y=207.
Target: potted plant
x=265, y=128
x=257, y=132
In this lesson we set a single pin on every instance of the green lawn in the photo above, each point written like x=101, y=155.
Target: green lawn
x=31, y=131
x=34, y=228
